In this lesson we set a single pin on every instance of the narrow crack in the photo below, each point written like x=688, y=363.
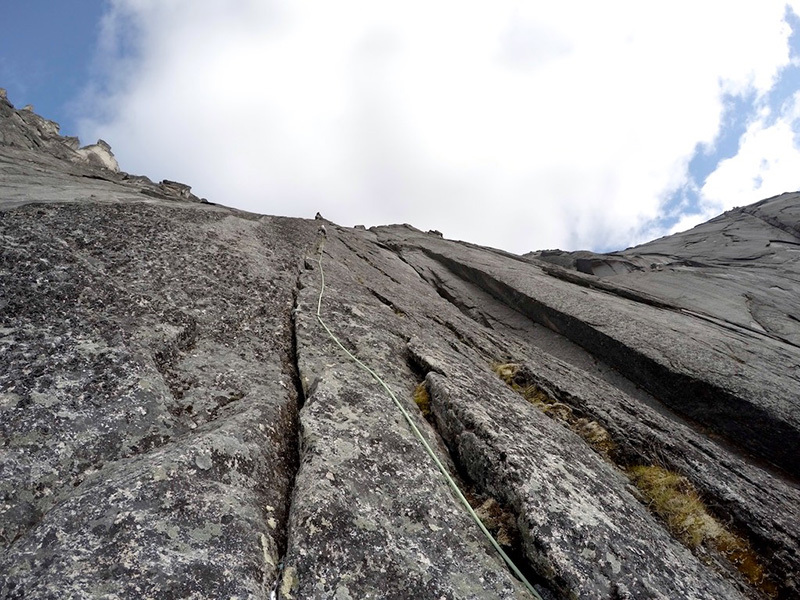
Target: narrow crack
x=291, y=370
x=597, y=284
x=386, y=302
x=436, y=283
x=784, y=242
x=367, y=260
x=772, y=223
x=497, y=514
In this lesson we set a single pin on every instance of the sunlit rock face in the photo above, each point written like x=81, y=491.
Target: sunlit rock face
x=176, y=421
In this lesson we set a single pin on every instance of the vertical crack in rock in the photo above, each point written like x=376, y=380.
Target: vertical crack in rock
x=386, y=302
x=175, y=423
x=362, y=255
x=564, y=499
x=147, y=505
x=365, y=482
x=470, y=311
x=292, y=370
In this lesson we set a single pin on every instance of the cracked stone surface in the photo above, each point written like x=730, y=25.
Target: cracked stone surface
x=175, y=422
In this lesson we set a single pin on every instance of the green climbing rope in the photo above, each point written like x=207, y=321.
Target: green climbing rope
x=418, y=434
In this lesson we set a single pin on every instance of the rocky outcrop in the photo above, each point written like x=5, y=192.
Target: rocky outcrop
x=181, y=416
x=100, y=155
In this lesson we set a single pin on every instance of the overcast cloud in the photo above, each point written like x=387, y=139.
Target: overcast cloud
x=519, y=125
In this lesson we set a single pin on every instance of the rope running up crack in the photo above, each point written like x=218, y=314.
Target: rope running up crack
x=419, y=435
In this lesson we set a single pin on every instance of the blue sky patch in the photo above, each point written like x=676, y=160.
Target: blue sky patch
x=739, y=112
x=46, y=54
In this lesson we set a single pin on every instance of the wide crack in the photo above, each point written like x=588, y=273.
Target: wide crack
x=498, y=517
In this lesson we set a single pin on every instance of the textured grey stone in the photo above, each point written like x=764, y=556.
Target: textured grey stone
x=736, y=382
x=176, y=423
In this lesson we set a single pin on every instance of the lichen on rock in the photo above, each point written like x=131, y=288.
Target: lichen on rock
x=175, y=422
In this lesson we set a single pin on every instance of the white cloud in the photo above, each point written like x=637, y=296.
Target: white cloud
x=512, y=124
x=767, y=164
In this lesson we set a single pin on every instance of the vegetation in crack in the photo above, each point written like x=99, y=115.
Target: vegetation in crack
x=423, y=401
x=499, y=519
x=591, y=431
x=673, y=498
x=668, y=494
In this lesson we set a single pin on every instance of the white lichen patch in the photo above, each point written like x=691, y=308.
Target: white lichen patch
x=267, y=550
x=159, y=473
x=289, y=583
x=203, y=461
x=615, y=563
x=46, y=400
x=209, y=531
x=365, y=524
x=8, y=400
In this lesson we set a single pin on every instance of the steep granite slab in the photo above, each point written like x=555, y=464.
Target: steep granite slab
x=762, y=505
x=580, y=523
x=148, y=404
x=152, y=371
x=740, y=268
x=714, y=375
x=371, y=517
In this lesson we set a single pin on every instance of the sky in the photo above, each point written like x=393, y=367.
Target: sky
x=520, y=125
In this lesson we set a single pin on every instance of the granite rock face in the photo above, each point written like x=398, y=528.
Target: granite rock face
x=178, y=421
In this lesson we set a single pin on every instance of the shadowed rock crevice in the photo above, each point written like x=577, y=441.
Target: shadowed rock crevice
x=291, y=429
x=386, y=302
x=715, y=408
x=503, y=472
x=773, y=220
x=761, y=510
x=470, y=311
x=497, y=516
x=367, y=260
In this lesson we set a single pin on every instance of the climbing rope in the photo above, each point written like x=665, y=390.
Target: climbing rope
x=418, y=434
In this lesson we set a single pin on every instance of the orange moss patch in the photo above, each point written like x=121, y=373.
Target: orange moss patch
x=591, y=431
x=423, y=400
x=673, y=498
